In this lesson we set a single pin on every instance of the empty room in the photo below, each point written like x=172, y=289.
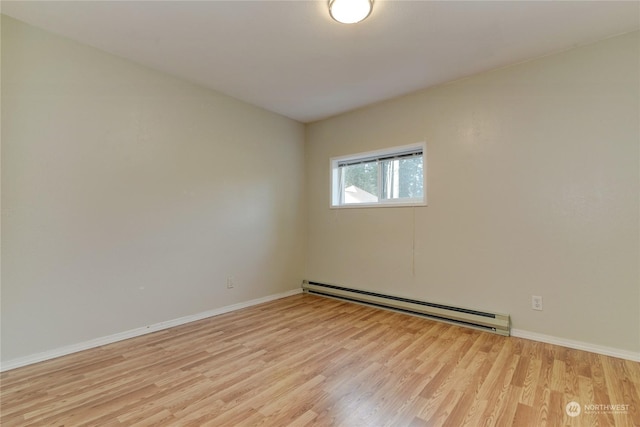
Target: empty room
x=320, y=213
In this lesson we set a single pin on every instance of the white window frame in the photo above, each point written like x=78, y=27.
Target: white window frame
x=336, y=195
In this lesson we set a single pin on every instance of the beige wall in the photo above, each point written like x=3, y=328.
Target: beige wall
x=533, y=189
x=129, y=196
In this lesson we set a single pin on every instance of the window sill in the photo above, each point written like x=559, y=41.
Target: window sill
x=380, y=205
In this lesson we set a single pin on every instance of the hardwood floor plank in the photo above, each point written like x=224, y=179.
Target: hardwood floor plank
x=524, y=415
x=304, y=419
x=530, y=382
x=312, y=361
x=507, y=414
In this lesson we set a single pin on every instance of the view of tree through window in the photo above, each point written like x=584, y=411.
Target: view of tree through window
x=363, y=176
x=402, y=178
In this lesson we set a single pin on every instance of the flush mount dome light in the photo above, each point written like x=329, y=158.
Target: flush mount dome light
x=350, y=11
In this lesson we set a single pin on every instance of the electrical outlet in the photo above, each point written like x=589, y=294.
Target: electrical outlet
x=536, y=302
x=230, y=282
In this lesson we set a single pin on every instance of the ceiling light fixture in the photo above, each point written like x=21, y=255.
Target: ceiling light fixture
x=350, y=11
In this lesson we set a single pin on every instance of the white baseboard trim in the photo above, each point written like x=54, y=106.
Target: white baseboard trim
x=578, y=345
x=97, y=342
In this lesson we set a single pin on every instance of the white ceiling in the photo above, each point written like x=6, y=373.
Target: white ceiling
x=290, y=57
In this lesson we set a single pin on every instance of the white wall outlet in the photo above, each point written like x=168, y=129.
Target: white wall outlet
x=230, y=282
x=536, y=302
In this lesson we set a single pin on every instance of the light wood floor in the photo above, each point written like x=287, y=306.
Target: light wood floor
x=308, y=360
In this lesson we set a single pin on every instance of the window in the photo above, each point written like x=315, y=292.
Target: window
x=392, y=177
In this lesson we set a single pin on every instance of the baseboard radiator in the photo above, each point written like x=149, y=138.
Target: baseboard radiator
x=491, y=322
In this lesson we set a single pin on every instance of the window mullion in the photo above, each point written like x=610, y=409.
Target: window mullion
x=341, y=171
x=380, y=181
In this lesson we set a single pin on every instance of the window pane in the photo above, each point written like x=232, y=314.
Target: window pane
x=360, y=183
x=402, y=178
